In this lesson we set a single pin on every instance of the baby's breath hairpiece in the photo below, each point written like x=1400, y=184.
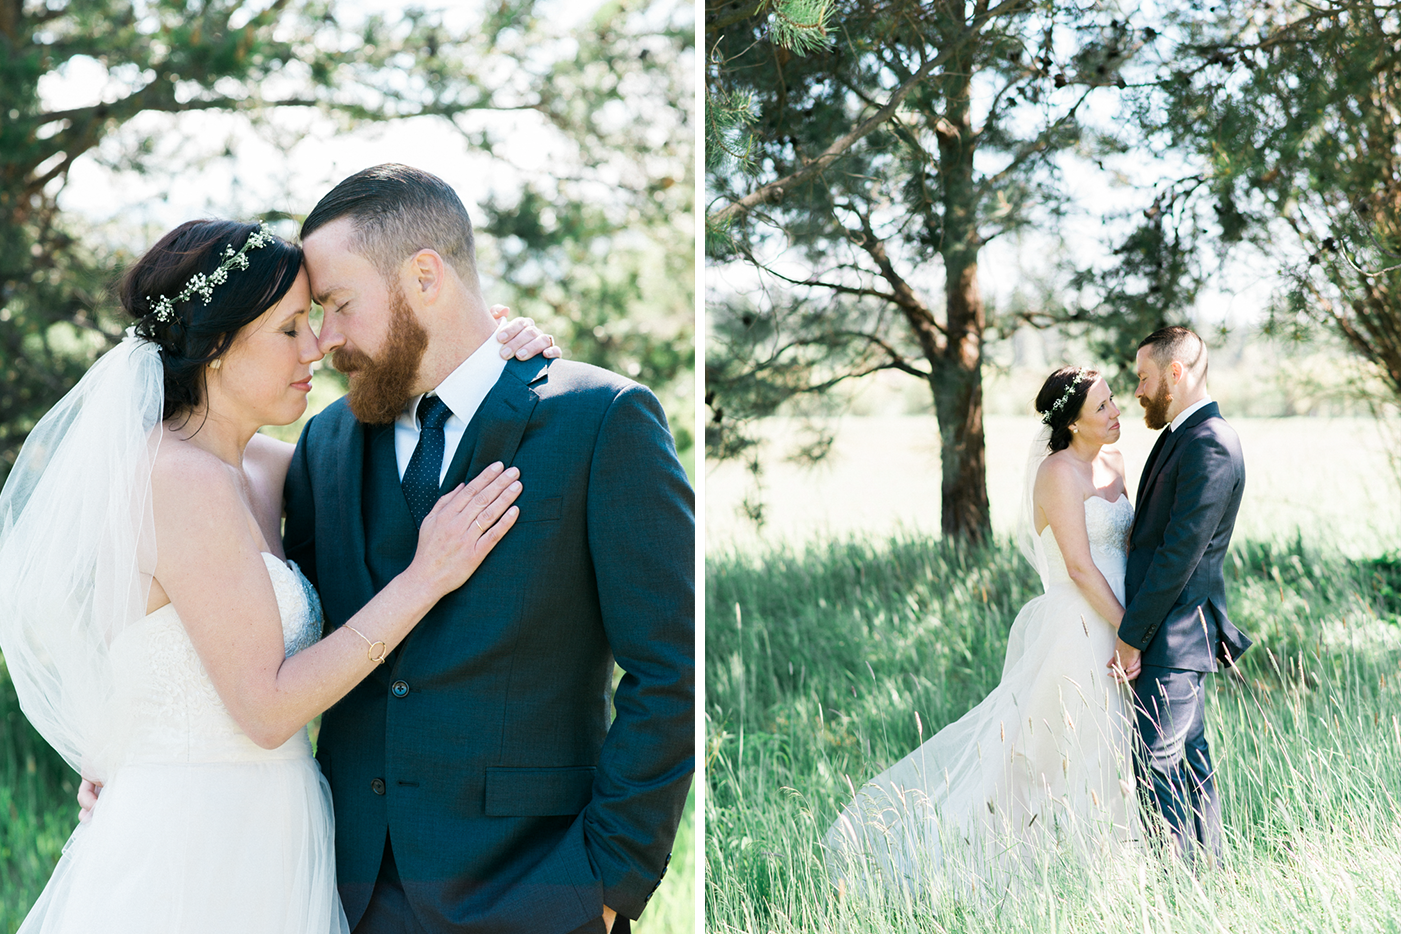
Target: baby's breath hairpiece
x=1080, y=376
x=163, y=309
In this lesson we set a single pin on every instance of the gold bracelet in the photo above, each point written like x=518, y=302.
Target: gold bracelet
x=383, y=649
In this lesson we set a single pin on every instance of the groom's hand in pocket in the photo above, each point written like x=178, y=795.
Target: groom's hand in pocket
x=1126, y=663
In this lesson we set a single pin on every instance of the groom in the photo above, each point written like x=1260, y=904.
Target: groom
x=1175, y=629
x=480, y=779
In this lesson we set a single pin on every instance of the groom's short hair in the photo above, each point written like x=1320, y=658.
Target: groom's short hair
x=398, y=210
x=1175, y=342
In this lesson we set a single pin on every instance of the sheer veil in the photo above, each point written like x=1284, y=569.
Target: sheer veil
x=1027, y=539
x=76, y=532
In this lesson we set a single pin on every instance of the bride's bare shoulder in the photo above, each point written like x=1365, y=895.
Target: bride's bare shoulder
x=1056, y=468
x=1058, y=478
x=191, y=483
x=204, y=508
x=179, y=464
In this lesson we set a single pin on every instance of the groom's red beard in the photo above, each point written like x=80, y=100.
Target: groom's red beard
x=383, y=385
x=1155, y=408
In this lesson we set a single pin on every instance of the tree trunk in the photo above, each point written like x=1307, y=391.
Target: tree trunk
x=957, y=377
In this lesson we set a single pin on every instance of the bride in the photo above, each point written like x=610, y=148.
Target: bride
x=1043, y=763
x=155, y=634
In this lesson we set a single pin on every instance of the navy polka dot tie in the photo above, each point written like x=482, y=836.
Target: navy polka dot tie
x=421, y=476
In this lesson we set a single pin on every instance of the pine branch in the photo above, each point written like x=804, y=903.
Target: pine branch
x=775, y=190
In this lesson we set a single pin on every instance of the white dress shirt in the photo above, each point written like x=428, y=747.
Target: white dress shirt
x=1176, y=422
x=462, y=392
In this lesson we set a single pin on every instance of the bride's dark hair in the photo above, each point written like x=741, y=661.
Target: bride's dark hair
x=1060, y=399
x=200, y=332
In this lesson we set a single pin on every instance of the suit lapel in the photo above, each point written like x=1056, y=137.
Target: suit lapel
x=352, y=573
x=381, y=448
x=1154, y=458
x=496, y=429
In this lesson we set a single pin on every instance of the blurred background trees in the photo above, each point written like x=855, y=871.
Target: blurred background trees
x=598, y=247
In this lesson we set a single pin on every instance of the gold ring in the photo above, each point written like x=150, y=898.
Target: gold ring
x=479, y=526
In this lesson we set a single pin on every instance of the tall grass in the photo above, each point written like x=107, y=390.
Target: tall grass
x=827, y=665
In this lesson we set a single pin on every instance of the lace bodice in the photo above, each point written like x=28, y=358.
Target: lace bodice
x=1108, y=527
x=164, y=696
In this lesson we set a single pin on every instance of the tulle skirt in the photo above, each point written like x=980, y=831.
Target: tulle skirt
x=240, y=847
x=1041, y=768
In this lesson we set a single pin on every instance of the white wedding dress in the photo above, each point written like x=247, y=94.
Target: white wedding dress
x=199, y=830
x=1041, y=767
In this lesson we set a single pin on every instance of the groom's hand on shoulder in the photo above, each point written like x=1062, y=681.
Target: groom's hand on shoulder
x=522, y=339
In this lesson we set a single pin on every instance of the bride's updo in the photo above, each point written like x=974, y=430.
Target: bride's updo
x=1060, y=399
x=199, y=331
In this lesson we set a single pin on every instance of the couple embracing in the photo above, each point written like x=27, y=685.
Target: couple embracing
x=487, y=529
x=1094, y=739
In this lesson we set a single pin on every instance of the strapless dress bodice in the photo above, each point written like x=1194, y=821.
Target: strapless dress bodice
x=1107, y=524
x=164, y=695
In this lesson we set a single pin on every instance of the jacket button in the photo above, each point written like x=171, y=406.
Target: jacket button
x=400, y=688
x=377, y=786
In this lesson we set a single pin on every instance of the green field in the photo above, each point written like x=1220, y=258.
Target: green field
x=38, y=811
x=826, y=664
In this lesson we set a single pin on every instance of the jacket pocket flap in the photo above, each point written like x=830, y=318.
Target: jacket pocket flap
x=514, y=792
x=540, y=510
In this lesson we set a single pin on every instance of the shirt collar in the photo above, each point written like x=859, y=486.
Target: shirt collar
x=1185, y=413
x=465, y=387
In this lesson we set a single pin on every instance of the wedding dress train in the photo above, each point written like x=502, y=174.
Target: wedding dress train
x=199, y=829
x=1041, y=765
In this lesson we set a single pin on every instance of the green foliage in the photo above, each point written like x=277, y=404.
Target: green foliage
x=827, y=665
x=1153, y=282
x=55, y=316
x=796, y=26
x=800, y=26
x=1285, y=115
x=727, y=115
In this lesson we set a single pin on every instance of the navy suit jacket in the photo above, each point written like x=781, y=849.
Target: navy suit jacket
x=1174, y=584
x=485, y=746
